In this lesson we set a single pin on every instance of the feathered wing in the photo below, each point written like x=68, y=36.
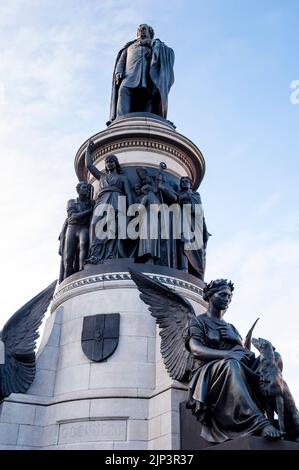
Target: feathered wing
x=19, y=335
x=172, y=313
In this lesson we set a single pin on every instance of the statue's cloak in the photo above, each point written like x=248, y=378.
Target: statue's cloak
x=161, y=73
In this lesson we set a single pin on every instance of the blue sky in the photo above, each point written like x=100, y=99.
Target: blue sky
x=235, y=62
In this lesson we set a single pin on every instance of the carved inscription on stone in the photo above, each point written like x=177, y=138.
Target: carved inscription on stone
x=91, y=431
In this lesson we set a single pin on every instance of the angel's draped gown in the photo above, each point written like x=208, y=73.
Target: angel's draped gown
x=111, y=186
x=222, y=391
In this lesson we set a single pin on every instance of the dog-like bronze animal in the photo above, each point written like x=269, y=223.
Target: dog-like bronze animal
x=275, y=390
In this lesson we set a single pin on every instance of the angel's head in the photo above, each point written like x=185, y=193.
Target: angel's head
x=219, y=293
x=112, y=163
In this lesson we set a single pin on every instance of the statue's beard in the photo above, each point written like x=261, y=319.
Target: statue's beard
x=145, y=42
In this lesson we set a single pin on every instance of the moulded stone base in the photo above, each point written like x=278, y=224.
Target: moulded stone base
x=255, y=443
x=191, y=439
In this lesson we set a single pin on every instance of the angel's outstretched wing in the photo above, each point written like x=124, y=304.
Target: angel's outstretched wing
x=172, y=313
x=19, y=335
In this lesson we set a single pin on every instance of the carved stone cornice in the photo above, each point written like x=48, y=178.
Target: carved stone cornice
x=160, y=148
x=150, y=136
x=120, y=280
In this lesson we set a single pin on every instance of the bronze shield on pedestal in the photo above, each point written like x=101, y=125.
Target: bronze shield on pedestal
x=100, y=336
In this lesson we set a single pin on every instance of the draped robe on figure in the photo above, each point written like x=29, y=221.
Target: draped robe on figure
x=222, y=390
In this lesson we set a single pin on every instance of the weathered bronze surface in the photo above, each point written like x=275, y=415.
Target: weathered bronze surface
x=224, y=375
x=142, y=76
x=18, y=339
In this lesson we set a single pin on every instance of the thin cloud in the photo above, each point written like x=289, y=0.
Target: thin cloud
x=269, y=204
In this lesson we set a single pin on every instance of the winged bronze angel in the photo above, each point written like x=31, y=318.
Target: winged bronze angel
x=17, y=344
x=209, y=353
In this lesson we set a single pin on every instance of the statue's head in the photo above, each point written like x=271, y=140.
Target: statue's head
x=185, y=183
x=112, y=163
x=219, y=292
x=137, y=189
x=83, y=188
x=262, y=345
x=144, y=31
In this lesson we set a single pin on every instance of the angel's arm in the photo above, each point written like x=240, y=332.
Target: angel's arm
x=203, y=353
x=89, y=163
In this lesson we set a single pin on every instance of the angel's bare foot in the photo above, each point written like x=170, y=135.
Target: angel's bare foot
x=270, y=432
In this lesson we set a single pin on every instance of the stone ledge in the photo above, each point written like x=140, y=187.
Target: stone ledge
x=192, y=440
x=255, y=443
x=113, y=274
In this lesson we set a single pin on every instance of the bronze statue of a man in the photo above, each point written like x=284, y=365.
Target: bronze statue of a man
x=143, y=76
x=74, y=237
